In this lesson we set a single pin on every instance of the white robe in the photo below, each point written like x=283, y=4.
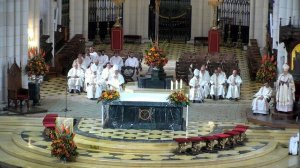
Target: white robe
x=104, y=77
x=204, y=82
x=117, y=60
x=75, y=82
x=285, y=93
x=94, y=57
x=196, y=91
x=86, y=61
x=293, y=145
x=262, y=105
x=116, y=82
x=93, y=89
x=132, y=62
x=217, y=85
x=103, y=60
x=234, y=87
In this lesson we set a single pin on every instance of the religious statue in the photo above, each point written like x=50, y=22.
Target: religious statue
x=285, y=91
x=281, y=56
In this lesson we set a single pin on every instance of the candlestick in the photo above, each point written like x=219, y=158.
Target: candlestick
x=176, y=84
x=171, y=85
x=180, y=83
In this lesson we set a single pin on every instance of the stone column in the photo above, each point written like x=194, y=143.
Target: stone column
x=283, y=12
x=72, y=18
x=85, y=19
x=289, y=10
x=76, y=17
x=3, y=53
x=276, y=21
x=258, y=21
x=296, y=13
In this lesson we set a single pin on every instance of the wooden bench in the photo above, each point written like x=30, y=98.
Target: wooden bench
x=133, y=39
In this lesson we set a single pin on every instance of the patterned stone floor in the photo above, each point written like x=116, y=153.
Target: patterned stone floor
x=36, y=139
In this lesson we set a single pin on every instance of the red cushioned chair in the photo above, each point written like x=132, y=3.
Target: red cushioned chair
x=49, y=123
x=196, y=148
x=182, y=145
x=222, y=140
x=234, y=136
x=242, y=135
x=242, y=126
x=210, y=142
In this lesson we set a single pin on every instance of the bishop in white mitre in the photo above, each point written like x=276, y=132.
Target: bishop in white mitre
x=293, y=145
x=260, y=103
x=217, y=82
x=196, y=91
x=116, y=80
x=285, y=91
x=75, y=78
x=204, y=80
x=234, y=81
x=117, y=60
x=91, y=77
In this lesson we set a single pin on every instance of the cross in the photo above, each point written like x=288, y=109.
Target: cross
x=157, y=4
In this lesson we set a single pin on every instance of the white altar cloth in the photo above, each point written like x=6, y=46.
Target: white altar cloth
x=144, y=97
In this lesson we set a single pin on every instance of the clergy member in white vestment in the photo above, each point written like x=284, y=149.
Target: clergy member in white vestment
x=234, y=81
x=86, y=60
x=116, y=80
x=293, y=145
x=103, y=59
x=75, y=78
x=116, y=60
x=132, y=61
x=204, y=80
x=217, y=82
x=93, y=54
x=196, y=91
x=91, y=76
x=285, y=91
x=106, y=73
x=260, y=103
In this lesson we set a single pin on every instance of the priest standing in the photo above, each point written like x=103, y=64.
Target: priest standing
x=234, y=81
x=285, y=91
x=103, y=59
x=196, y=92
x=116, y=80
x=260, y=104
x=75, y=79
x=116, y=60
x=217, y=82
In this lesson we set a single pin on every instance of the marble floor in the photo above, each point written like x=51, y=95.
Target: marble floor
x=22, y=143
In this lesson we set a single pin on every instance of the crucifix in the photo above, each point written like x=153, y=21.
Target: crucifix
x=157, y=5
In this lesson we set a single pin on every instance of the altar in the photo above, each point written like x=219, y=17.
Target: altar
x=143, y=111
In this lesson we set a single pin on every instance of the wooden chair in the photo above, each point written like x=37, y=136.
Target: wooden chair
x=15, y=91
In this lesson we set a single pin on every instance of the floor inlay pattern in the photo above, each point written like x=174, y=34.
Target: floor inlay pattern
x=36, y=139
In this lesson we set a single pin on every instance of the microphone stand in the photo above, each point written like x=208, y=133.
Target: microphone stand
x=66, y=99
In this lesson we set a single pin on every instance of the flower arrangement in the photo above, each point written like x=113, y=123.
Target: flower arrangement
x=63, y=145
x=109, y=95
x=267, y=71
x=36, y=64
x=156, y=57
x=178, y=98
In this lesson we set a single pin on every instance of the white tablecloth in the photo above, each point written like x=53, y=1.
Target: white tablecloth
x=144, y=97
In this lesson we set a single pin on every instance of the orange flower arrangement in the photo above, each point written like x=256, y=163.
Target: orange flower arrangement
x=267, y=71
x=63, y=145
x=155, y=57
x=178, y=98
x=109, y=95
x=36, y=64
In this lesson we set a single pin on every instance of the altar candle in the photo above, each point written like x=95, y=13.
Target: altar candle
x=176, y=84
x=171, y=85
x=180, y=83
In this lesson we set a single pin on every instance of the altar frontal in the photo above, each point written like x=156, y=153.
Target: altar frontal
x=143, y=111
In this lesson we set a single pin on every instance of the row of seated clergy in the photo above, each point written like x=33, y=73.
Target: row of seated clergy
x=103, y=59
x=96, y=81
x=202, y=85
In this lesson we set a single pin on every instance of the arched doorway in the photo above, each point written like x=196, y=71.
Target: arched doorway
x=174, y=20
